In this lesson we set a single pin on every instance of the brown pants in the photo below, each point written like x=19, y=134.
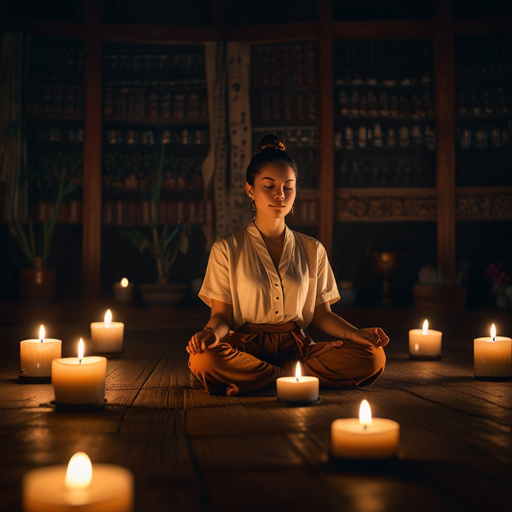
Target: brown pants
x=253, y=358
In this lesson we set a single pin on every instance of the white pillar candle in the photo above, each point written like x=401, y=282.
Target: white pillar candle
x=364, y=438
x=493, y=356
x=107, y=336
x=36, y=356
x=298, y=388
x=425, y=343
x=79, y=380
x=79, y=486
x=123, y=291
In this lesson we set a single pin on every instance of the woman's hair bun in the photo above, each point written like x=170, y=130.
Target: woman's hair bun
x=271, y=141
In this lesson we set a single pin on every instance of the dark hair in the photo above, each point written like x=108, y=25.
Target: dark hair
x=271, y=150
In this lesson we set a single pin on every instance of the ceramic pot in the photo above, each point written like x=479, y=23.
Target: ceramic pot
x=439, y=297
x=37, y=282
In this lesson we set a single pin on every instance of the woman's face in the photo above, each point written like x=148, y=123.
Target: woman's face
x=273, y=191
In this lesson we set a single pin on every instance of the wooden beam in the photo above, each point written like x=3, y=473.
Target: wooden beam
x=63, y=29
x=91, y=238
x=444, y=77
x=159, y=34
x=484, y=25
x=274, y=33
x=372, y=30
x=325, y=127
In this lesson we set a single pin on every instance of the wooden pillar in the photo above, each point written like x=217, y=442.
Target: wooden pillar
x=91, y=238
x=325, y=199
x=444, y=79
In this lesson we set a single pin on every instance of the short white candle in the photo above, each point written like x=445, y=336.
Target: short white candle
x=425, y=343
x=366, y=437
x=298, y=388
x=36, y=356
x=107, y=336
x=79, y=486
x=493, y=356
x=123, y=291
x=79, y=380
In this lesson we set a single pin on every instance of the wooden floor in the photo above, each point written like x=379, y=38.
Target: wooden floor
x=193, y=452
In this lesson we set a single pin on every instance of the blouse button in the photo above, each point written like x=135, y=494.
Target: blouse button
x=277, y=312
x=277, y=298
x=275, y=284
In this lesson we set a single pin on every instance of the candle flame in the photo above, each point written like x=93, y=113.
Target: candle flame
x=297, y=372
x=41, y=333
x=80, y=349
x=79, y=472
x=124, y=282
x=365, y=414
x=425, y=328
x=108, y=319
x=493, y=332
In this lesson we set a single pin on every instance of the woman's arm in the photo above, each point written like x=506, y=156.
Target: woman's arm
x=218, y=326
x=330, y=323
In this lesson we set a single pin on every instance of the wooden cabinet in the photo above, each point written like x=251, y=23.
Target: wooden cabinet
x=383, y=141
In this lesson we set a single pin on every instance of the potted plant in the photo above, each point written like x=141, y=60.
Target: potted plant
x=431, y=293
x=35, y=237
x=164, y=243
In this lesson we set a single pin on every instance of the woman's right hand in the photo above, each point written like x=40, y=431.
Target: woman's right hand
x=202, y=340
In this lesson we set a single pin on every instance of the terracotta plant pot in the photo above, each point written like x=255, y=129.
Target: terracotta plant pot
x=37, y=282
x=439, y=297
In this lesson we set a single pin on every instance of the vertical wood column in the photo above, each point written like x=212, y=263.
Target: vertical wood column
x=444, y=80
x=91, y=238
x=325, y=198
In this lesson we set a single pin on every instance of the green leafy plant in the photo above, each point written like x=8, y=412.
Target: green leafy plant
x=53, y=178
x=163, y=241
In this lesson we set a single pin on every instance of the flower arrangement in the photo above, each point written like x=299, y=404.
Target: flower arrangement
x=499, y=273
x=430, y=276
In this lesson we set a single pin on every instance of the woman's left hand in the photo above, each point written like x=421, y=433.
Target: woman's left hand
x=371, y=335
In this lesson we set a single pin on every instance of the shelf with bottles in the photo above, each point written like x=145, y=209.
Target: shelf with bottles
x=483, y=74
x=128, y=172
x=125, y=212
x=154, y=85
x=384, y=133
x=385, y=155
x=483, y=110
x=284, y=101
x=54, y=86
x=383, y=79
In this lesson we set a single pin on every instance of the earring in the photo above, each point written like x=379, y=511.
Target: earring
x=293, y=209
x=253, y=206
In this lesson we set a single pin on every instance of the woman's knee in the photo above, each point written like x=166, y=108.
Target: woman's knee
x=202, y=362
x=372, y=366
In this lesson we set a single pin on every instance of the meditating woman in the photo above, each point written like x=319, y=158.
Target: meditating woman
x=265, y=284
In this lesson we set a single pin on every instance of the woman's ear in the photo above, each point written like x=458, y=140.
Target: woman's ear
x=249, y=190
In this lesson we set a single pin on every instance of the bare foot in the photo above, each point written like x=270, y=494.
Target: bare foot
x=232, y=390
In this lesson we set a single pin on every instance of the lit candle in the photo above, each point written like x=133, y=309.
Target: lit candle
x=79, y=486
x=123, y=291
x=493, y=356
x=36, y=356
x=425, y=343
x=79, y=380
x=107, y=336
x=366, y=437
x=298, y=388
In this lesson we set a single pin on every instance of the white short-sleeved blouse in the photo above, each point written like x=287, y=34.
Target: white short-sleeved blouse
x=240, y=272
